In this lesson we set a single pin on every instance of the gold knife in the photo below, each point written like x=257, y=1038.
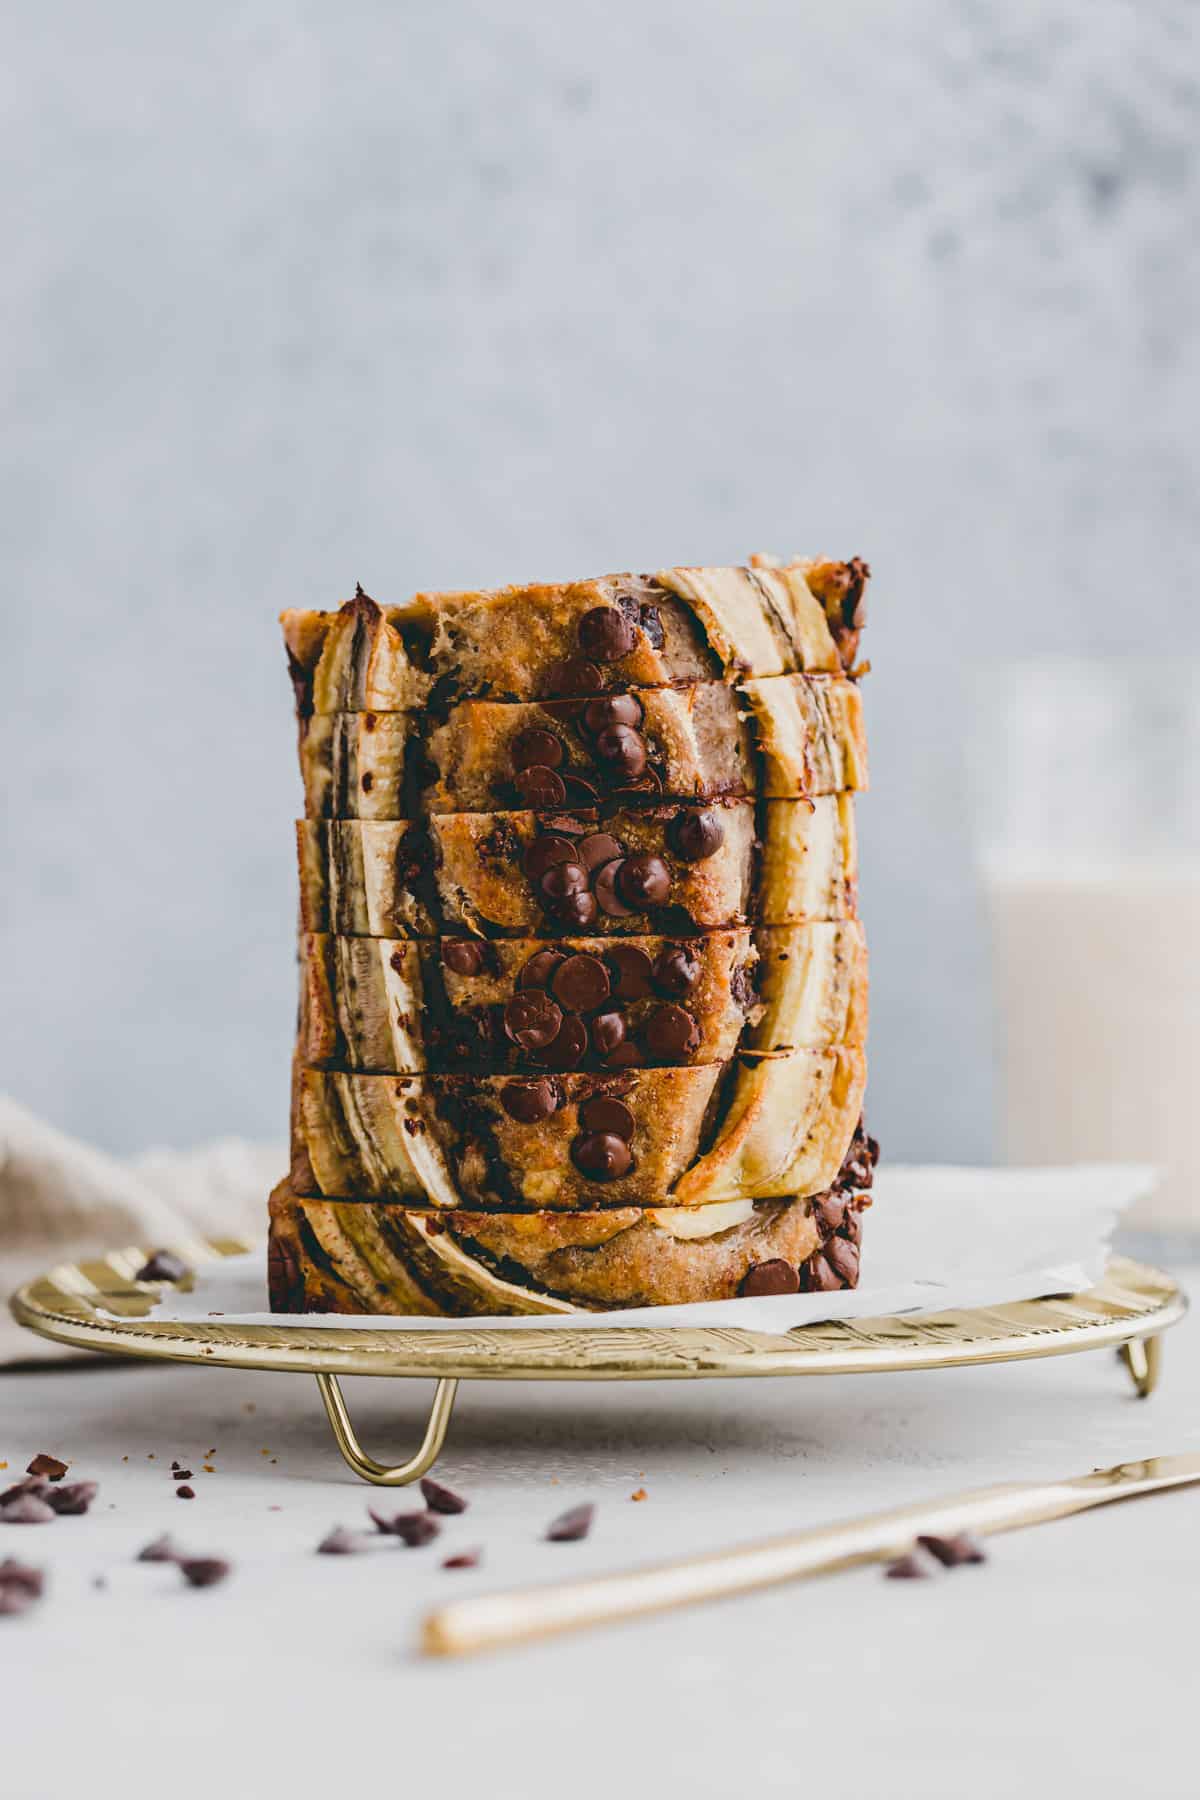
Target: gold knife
x=492, y=1620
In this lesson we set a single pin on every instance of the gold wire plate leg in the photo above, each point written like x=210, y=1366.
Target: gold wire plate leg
x=366, y=1466
x=1143, y=1358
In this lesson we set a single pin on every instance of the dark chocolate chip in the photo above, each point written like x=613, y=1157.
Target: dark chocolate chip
x=340, y=1542
x=569, y=1047
x=579, y=791
x=605, y=634
x=671, y=1031
x=163, y=1265
x=607, y=891
x=772, y=1277
x=413, y=1529
x=602, y=1156
x=605, y=1113
x=26, y=1509
x=537, y=972
x=37, y=1485
x=73, y=1498
x=648, y=782
x=608, y=1033
x=577, y=911
x=532, y=1019
x=952, y=1552
x=633, y=970
x=540, y=787
x=570, y=1526
x=696, y=836
x=465, y=1559
x=644, y=880
x=677, y=970
x=20, y=1575
x=545, y=852
x=536, y=746
x=624, y=749
x=581, y=983
x=626, y=1056
x=612, y=709
x=185, y=1493
x=561, y=879
x=529, y=1102
x=462, y=955
x=912, y=1567
x=49, y=1467
x=843, y=1258
x=160, y=1549
x=568, y=825
x=440, y=1499
x=204, y=1571
x=573, y=675
x=597, y=849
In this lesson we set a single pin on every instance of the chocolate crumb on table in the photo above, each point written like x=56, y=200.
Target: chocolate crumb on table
x=572, y=1525
x=441, y=1499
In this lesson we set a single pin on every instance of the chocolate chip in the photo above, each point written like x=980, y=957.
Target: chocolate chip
x=569, y=1047
x=540, y=787
x=561, y=879
x=185, y=1493
x=843, y=1258
x=462, y=955
x=204, y=1571
x=677, y=970
x=626, y=1056
x=581, y=983
x=579, y=791
x=21, y=1576
x=529, y=1102
x=532, y=1019
x=574, y=675
x=340, y=1542
x=413, y=1529
x=623, y=748
x=570, y=1526
x=536, y=746
x=465, y=1559
x=597, y=849
x=159, y=1549
x=952, y=1552
x=48, y=1467
x=15, y=1600
x=605, y=1113
x=567, y=825
x=607, y=891
x=772, y=1277
x=605, y=634
x=537, y=972
x=696, y=836
x=612, y=709
x=608, y=1033
x=162, y=1266
x=577, y=911
x=36, y=1485
x=441, y=1499
x=913, y=1567
x=671, y=1031
x=74, y=1498
x=633, y=970
x=644, y=880
x=647, y=782
x=26, y=1509
x=602, y=1156
x=545, y=852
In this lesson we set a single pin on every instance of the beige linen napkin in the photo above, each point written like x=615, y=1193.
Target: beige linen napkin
x=61, y=1200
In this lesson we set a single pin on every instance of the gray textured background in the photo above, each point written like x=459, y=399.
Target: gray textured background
x=456, y=294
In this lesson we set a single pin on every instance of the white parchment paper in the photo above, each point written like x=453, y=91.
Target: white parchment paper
x=935, y=1238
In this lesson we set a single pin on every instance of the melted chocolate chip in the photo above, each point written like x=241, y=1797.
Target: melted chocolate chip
x=536, y=747
x=626, y=1056
x=605, y=634
x=607, y=890
x=581, y=983
x=540, y=787
x=561, y=879
x=577, y=911
x=574, y=675
x=462, y=955
x=671, y=1031
x=612, y=709
x=624, y=749
x=532, y=1020
x=544, y=852
x=569, y=1047
x=579, y=791
x=644, y=880
x=538, y=971
x=604, y=1113
x=597, y=849
x=608, y=1033
x=677, y=970
x=633, y=970
x=602, y=1156
x=696, y=836
x=773, y=1277
x=529, y=1102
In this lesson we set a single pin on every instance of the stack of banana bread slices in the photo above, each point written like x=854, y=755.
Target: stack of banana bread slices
x=583, y=988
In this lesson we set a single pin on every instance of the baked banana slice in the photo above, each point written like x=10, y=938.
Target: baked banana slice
x=404, y=1005
x=784, y=736
x=578, y=638
x=756, y=1128
x=671, y=869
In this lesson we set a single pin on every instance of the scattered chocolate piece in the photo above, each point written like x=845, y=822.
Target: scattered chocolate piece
x=608, y=893
x=605, y=634
x=48, y=1467
x=462, y=955
x=677, y=970
x=536, y=747
x=570, y=1526
x=539, y=970
x=772, y=1277
x=33, y=1484
x=624, y=749
x=633, y=970
x=604, y=1113
x=911, y=1567
x=160, y=1549
x=644, y=880
x=579, y=791
x=185, y=1493
x=602, y=1156
x=577, y=911
x=26, y=1509
x=540, y=787
x=562, y=879
x=574, y=675
x=697, y=835
x=204, y=1571
x=953, y=1552
x=612, y=709
x=532, y=1019
x=671, y=1031
x=20, y=1587
x=178, y=1474
x=544, y=852
x=608, y=1033
x=440, y=1499
x=569, y=1047
x=529, y=1102
x=581, y=983
x=465, y=1559
x=598, y=848
x=74, y=1498
x=414, y=1528
x=163, y=1265
x=340, y=1542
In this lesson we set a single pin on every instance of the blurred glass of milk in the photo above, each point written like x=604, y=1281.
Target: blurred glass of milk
x=1087, y=794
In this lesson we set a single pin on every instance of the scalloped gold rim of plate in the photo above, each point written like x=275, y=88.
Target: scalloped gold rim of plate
x=1131, y=1303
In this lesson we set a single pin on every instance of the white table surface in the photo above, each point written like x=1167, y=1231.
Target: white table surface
x=1068, y=1665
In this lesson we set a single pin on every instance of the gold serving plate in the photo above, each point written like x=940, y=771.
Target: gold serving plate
x=1129, y=1310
